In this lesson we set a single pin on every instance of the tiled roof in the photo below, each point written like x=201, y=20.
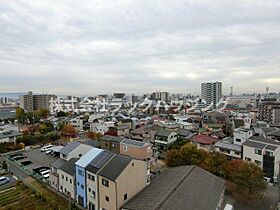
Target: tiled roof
x=69, y=166
x=254, y=144
x=99, y=161
x=69, y=147
x=115, y=167
x=204, y=139
x=185, y=187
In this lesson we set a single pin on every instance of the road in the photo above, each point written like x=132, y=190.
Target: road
x=268, y=201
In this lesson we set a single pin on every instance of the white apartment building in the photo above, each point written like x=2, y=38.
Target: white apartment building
x=211, y=92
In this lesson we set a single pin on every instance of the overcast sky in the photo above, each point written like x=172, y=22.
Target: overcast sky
x=102, y=46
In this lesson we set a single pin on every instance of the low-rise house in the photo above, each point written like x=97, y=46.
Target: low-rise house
x=92, y=170
x=240, y=135
x=274, y=135
x=205, y=142
x=54, y=176
x=81, y=185
x=136, y=149
x=265, y=153
x=118, y=186
x=66, y=174
x=111, y=143
x=184, y=134
x=164, y=137
x=74, y=149
x=177, y=188
x=229, y=149
x=99, y=128
x=123, y=130
x=149, y=133
x=9, y=136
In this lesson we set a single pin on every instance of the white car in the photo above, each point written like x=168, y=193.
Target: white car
x=48, y=151
x=45, y=148
x=46, y=174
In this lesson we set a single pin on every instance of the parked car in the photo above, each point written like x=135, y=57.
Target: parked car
x=48, y=151
x=41, y=168
x=19, y=158
x=26, y=162
x=15, y=154
x=45, y=174
x=45, y=148
x=4, y=180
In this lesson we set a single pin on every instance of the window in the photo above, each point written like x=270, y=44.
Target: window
x=91, y=177
x=237, y=153
x=247, y=159
x=78, y=183
x=80, y=172
x=82, y=186
x=113, y=145
x=93, y=194
x=62, y=176
x=268, y=153
x=70, y=181
x=107, y=198
x=66, y=178
x=105, y=182
x=259, y=163
x=61, y=188
x=132, y=164
x=89, y=189
x=238, y=140
x=80, y=155
x=258, y=152
x=125, y=196
x=125, y=148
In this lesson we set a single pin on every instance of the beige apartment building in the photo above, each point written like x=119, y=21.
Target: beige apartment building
x=118, y=186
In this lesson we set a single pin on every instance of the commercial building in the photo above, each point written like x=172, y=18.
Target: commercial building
x=31, y=102
x=211, y=92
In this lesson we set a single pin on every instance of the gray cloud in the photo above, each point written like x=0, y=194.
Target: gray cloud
x=101, y=46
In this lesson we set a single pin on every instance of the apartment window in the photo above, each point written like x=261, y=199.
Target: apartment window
x=91, y=177
x=66, y=178
x=113, y=145
x=238, y=140
x=78, y=183
x=125, y=148
x=62, y=176
x=93, y=194
x=268, y=153
x=89, y=189
x=70, y=181
x=132, y=164
x=105, y=182
x=80, y=172
x=125, y=196
x=258, y=152
x=61, y=188
x=259, y=163
x=107, y=198
x=82, y=186
x=247, y=159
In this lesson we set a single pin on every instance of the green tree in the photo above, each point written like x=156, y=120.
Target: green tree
x=20, y=115
x=173, y=158
x=4, y=165
x=42, y=113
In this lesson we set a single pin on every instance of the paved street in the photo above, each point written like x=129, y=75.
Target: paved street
x=267, y=203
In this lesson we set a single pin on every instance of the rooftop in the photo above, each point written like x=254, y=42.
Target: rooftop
x=254, y=144
x=69, y=166
x=69, y=147
x=185, y=187
x=111, y=138
x=204, y=139
x=99, y=161
x=11, y=133
x=115, y=167
x=88, y=157
x=134, y=142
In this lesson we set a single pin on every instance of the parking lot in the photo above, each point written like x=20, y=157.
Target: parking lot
x=37, y=158
x=11, y=183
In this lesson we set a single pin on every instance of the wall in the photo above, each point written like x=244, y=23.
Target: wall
x=67, y=183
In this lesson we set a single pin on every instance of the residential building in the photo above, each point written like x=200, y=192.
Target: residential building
x=164, y=137
x=177, y=188
x=240, y=135
x=54, y=176
x=211, y=92
x=204, y=141
x=7, y=112
x=66, y=174
x=118, y=186
x=74, y=149
x=265, y=153
x=162, y=96
x=270, y=112
x=136, y=149
x=7, y=136
x=81, y=185
x=92, y=170
x=31, y=102
x=111, y=143
x=229, y=149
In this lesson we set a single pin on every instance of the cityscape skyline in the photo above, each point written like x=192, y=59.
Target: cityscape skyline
x=67, y=47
